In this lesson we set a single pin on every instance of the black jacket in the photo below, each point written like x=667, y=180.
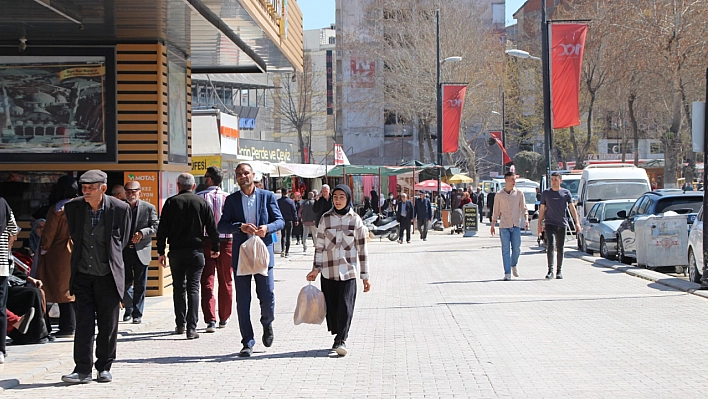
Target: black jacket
x=321, y=206
x=287, y=209
x=409, y=211
x=183, y=220
x=116, y=218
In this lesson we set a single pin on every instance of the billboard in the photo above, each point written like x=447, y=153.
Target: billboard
x=57, y=105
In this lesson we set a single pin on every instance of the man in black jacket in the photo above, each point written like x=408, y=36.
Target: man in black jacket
x=289, y=212
x=404, y=216
x=322, y=204
x=99, y=226
x=184, y=219
x=480, y=204
x=422, y=213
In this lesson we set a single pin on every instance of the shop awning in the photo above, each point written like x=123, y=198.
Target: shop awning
x=308, y=171
x=340, y=170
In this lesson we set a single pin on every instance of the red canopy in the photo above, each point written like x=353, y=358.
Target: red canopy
x=432, y=185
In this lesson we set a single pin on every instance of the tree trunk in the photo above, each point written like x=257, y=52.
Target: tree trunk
x=635, y=127
x=673, y=142
x=301, y=143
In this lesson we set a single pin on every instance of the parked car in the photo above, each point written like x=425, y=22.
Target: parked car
x=654, y=203
x=695, y=249
x=599, y=229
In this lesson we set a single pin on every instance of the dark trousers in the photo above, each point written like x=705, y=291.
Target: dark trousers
x=286, y=233
x=136, y=276
x=187, y=266
x=404, y=226
x=97, y=303
x=555, y=239
x=266, y=297
x=67, y=317
x=20, y=301
x=3, y=313
x=423, y=228
x=221, y=267
x=339, y=298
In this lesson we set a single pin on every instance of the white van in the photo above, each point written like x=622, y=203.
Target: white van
x=609, y=182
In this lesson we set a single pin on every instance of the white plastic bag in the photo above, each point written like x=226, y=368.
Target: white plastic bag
x=253, y=258
x=54, y=311
x=311, y=307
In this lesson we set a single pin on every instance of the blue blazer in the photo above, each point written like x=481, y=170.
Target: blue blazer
x=267, y=213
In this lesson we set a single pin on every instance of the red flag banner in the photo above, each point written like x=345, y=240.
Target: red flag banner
x=567, y=47
x=453, y=101
x=497, y=136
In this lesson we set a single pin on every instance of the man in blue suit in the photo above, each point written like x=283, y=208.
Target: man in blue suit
x=246, y=213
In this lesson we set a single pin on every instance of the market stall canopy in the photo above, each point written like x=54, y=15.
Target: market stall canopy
x=308, y=171
x=458, y=179
x=340, y=170
x=432, y=185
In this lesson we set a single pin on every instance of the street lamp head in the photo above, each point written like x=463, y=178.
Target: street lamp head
x=521, y=54
x=452, y=59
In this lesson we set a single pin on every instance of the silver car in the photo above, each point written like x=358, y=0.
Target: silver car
x=695, y=249
x=599, y=227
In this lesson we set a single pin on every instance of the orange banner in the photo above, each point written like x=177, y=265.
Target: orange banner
x=497, y=136
x=98, y=70
x=453, y=101
x=148, y=186
x=567, y=46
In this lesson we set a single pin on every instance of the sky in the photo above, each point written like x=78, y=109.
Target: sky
x=320, y=13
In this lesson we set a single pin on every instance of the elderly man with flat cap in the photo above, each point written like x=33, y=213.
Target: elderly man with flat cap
x=99, y=226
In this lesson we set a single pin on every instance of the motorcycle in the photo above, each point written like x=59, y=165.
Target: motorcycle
x=384, y=227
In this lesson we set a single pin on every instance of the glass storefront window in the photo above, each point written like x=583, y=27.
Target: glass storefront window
x=27, y=192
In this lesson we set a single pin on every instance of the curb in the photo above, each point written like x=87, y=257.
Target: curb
x=673, y=282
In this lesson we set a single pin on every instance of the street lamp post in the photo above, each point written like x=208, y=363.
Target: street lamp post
x=547, y=120
x=438, y=112
x=503, y=133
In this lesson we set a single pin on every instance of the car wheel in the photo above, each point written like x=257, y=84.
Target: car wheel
x=620, y=252
x=693, y=274
x=604, y=251
x=393, y=236
x=585, y=247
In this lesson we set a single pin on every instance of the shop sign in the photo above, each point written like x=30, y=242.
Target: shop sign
x=148, y=185
x=201, y=164
x=270, y=151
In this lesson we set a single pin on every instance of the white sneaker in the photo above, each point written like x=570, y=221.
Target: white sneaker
x=514, y=272
x=2, y=358
x=507, y=277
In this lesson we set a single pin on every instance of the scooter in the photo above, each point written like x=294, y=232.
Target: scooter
x=384, y=227
x=369, y=217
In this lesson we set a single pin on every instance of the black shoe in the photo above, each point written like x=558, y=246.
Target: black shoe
x=64, y=334
x=26, y=320
x=192, y=334
x=245, y=351
x=104, y=376
x=76, y=378
x=268, y=336
x=127, y=317
x=549, y=275
x=559, y=275
x=342, y=350
x=137, y=320
x=179, y=330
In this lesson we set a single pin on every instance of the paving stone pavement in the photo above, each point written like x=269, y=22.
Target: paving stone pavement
x=438, y=323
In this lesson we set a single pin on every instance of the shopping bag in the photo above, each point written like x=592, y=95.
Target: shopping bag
x=310, y=308
x=253, y=258
x=54, y=311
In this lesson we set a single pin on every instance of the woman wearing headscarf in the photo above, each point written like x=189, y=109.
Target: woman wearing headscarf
x=54, y=268
x=341, y=242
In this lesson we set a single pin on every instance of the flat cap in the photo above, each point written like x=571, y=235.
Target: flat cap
x=93, y=176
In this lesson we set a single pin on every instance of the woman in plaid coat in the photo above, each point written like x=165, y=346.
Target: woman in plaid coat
x=341, y=241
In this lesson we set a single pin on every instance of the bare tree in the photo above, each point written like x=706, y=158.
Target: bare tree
x=296, y=102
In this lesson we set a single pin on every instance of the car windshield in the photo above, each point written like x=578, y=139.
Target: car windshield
x=530, y=197
x=679, y=203
x=571, y=185
x=616, y=189
x=611, y=210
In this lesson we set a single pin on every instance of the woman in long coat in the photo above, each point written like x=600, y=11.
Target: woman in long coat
x=54, y=268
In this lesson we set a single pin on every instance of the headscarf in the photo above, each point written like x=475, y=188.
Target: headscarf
x=34, y=238
x=344, y=188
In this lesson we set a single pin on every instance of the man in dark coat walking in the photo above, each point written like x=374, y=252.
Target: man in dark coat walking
x=422, y=213
x=404, y=216
x=99, y=226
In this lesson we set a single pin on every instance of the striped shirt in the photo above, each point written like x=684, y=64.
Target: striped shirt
x=11, y=230
x=341, y=241
x=215, y=197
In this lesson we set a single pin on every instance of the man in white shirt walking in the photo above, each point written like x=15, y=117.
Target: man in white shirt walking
x=511, y=205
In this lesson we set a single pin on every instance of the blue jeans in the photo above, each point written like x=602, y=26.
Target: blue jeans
x=264, y=292
x=510, y=257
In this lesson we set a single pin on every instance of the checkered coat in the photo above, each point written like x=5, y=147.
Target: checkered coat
x=341, y=240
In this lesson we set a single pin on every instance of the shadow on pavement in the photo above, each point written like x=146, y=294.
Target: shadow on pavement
x=228, y=357
x=485, y=281
x=147, y=336
x=571, y=299
x=40, y=385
